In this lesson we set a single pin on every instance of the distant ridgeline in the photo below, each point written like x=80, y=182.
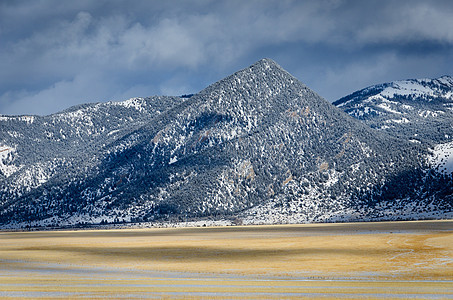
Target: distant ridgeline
x=419, y=110
x=256, y=147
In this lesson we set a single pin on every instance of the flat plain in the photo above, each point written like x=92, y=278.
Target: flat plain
x=347, y=260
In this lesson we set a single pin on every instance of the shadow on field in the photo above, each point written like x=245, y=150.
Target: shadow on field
x=194, y=254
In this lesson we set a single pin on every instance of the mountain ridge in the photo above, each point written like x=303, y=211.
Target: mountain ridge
x=257, y=145
x=417, y=109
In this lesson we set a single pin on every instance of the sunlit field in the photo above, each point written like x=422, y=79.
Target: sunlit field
x=355, y=260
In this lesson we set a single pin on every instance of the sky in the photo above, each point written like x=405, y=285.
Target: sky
x=55, y=54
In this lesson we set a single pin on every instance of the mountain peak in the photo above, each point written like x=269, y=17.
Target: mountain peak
x=266, y=66
x=264, y=74
x=267, y=63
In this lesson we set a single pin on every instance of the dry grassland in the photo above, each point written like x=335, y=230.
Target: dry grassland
x=374, y=260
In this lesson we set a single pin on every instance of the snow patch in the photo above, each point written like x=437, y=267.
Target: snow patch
x=407, y=88
x=387, y=107
x=429, y=113
x=136, y=103
x=6, y=168
x=442, y=158
x=400, y=121
x=345, y=103
x=26, y=119
x=112, y=132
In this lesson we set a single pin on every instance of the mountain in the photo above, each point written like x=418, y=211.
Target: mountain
x=419, y=110
x=258, y=146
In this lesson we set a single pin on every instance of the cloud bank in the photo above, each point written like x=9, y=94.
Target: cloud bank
x=55, y=54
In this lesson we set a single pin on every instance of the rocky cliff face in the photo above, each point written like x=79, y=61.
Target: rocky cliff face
x=257, y=145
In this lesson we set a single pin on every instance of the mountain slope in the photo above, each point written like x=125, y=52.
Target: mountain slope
x=258, y=145
x=420, y=110
x=33, y=146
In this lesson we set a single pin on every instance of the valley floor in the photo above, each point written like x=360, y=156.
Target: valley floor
x=349, y=260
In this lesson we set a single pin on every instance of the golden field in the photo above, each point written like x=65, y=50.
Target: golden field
x=363, y=260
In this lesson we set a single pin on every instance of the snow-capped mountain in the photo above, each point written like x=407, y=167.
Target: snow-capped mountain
x=419, y=110
x=258, y=145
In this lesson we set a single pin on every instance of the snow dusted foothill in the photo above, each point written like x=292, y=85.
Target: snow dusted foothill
x=256, y=147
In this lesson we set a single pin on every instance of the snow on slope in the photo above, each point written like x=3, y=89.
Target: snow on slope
x=442, y=158
x=416, y=88
x=5, y=158
x=420, y=110
x=257, y=145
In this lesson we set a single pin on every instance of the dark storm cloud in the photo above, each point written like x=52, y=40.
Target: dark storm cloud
x=59, y=53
